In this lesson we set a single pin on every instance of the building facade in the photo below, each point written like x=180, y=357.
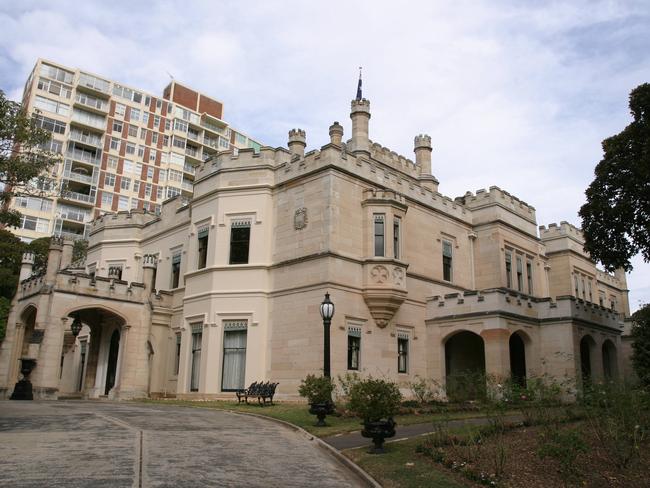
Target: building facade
x=212, y=294
x=120, y=148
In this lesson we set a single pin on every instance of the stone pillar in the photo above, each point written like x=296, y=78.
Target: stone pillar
x=619, y=274
x=472, y=239
x=133, y=379
x=336, y=134
x=53, y=259
x=47, y=347
x=66, y=253
x=149, y=264
x=423, y=149
x=360, y=115
x=297, y=142
x=26, y=266
x=497, y=353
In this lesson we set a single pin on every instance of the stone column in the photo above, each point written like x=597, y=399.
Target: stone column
x=47, y=344
x=66, y=253
x=149, y=264
x=423, y=149
x=26, y=266
x=133, y=378
x=297, y=142
x=497, y=353
x=472, y=239
x=53, y=259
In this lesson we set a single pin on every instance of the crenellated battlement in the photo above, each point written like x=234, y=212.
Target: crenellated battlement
x=138, y=217
x=610, y=279
x=502, y=301
x=393, y=159
x=496, y=195
x=243, y=158
x=564, y=229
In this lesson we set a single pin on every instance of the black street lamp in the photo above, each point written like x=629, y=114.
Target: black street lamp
x=327, y=312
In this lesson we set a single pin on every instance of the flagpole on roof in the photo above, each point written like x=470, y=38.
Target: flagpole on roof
x=359, y=94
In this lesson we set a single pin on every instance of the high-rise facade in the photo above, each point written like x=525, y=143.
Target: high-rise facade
x=121, y=148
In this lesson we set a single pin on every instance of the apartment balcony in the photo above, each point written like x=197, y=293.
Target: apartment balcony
x=78, y=192
x=187, y=186
x=73, y=215
x=190, y=169
x=81, y=177
x=78, y=197
x=84, y=156
x=210, y=142
x=94, y=104
x=89, y=120
x=194, y=154
x=193, y=136
x=87, y=138
x=94, y=85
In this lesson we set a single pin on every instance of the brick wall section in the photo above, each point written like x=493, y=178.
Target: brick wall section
x=210, y=106
x=184, y=96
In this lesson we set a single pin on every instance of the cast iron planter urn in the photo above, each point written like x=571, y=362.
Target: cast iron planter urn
x=23, y=389
x=378, y=431
x=321, y=410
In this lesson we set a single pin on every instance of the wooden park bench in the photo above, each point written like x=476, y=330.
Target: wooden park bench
x=262, y=391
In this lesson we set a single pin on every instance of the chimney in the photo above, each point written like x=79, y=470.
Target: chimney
x=27, y=265
x=360, y=115
x=336, y=134
x=149, y=265
x=422, y=149
x=66, y=254
x=297, y=142
x=53, y=259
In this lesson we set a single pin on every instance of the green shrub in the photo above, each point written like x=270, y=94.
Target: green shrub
x=564, y=446
x=347, y=381
x=317, y=389
x=374, y=399
x=426, y=391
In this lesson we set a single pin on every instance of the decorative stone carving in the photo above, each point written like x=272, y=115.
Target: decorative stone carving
x=398, y=276
x=300, y=219
x=37, y=336
x=379, y=274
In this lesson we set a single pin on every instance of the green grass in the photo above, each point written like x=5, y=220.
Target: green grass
x=401, y=467
x=298, y=414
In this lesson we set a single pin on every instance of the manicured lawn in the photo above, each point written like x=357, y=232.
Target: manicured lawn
x=298, y=414
x=401, y=467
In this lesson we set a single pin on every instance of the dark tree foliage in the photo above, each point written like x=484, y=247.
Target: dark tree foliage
x=11, y=253
x=641, y=344
x=23, y=160
x=616, y=217
x=40, y=248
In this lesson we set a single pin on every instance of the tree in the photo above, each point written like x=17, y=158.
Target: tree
x=641, y=344
x=23, y=159
x=616, y=217
x=11, y=253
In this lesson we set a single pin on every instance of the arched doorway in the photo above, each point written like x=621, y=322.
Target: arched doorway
x=517, y=359
x=465, y=366
x=28, y=319
x=111, y=368
x=586, y=345
x=610, y=369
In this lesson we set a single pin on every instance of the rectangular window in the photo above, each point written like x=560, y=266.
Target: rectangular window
x=130, y=148
x=148, y=188
x=354, y=347
x=379, y=234
x=120, y=109
x=396, y=236
x=125, y=183
x=50, y=125
x=135, y=114
x=115, y=143
x=111, y=163
x=154, y=138
x=177, y=361
x=584, y=288
x=156, y=121
x=402, y=352
x=447, y=253
x=107, y=199
x=143, y=134
x=234, y=355
x=109, y=180
x=240, y=234
x=176, y=269
x=34, y=223
x=591, y=297
x=133, y=130
x=520, y=274
x=197, y=339
x=145, y=118
x=136, y=186
x=58, y=74
x=202, y=247
x=508, y=269
x=123, y=203
x=150, y=171
x=51, y=106
x=117, y=126
x=529, y=276
x=577, y=285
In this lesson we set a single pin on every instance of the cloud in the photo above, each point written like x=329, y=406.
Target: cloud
x=517, y=94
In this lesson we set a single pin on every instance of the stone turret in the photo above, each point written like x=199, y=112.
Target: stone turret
x=149, y=265
x=297, y=142
x=336, y=134
x=360, y=115
x=26, y=265
x=422, y=149
x=66, y=254
x=53, y=259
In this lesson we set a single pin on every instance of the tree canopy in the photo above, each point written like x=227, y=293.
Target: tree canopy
x=24, y=158
x=641, y=344
x=616, y=217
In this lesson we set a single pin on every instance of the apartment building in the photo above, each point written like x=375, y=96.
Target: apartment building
x=121, y=148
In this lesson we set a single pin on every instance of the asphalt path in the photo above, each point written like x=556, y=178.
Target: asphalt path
x=109, y=444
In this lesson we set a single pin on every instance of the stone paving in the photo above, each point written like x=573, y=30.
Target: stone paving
x=106, y=444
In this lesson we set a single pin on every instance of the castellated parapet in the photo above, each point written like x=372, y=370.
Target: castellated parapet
x=392, y=159
x=496, y=198
x=565, y=229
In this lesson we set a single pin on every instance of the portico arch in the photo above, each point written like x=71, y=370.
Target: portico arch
x=610, y=369
x=517, y=347
x=464, y=366
x=587, y=348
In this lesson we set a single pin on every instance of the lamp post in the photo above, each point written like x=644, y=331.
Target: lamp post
x=76, y=326
x=327, y=312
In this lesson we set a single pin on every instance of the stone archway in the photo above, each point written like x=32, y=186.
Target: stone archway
x=104, y=350
x=517, y=346
x=587, y=346
x=28, y=319
x=465, y=366
x=610, y=363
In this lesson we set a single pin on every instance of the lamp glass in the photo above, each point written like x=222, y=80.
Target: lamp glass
x=327, y=308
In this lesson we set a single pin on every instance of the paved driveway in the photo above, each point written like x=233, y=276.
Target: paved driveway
x=105, y=444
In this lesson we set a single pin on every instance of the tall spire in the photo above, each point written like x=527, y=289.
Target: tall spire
x=359, y=95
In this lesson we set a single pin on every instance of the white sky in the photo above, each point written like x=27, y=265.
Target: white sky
x=514, y=94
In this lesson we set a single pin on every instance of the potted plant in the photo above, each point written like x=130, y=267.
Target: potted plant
x=376, y=401
x=318, y=391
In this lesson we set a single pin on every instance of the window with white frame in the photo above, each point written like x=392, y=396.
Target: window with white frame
x=402, y=351
x=354, y=347
x=240, y=235
x=234, y=355
x=109, y=180
x=379, y=234
x=195, y=370
x=447, y=260
x=397, y=231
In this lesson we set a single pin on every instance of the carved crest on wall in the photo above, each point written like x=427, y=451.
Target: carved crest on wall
x=300, y=218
